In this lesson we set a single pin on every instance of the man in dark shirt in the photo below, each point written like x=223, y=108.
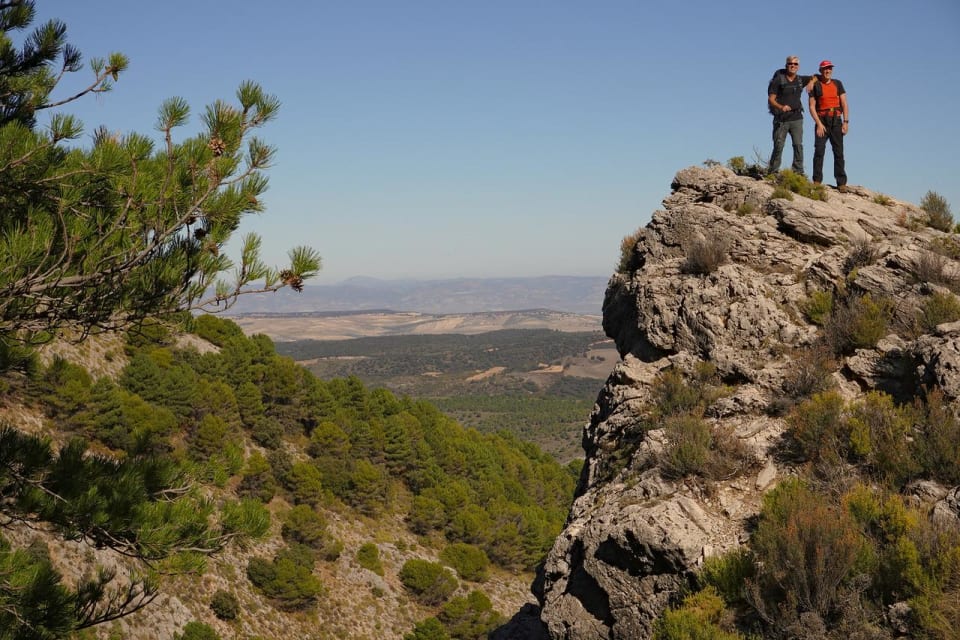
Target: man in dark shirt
x=784, y=95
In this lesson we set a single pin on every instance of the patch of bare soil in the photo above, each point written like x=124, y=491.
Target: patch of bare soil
x=492, y=371
x=342, y=327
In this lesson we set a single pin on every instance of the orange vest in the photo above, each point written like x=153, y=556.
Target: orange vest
x=829, y=99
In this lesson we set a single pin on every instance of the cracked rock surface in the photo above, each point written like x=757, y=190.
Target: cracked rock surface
x=633, y=540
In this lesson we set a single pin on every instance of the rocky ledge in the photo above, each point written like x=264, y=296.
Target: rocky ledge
x=634, y=539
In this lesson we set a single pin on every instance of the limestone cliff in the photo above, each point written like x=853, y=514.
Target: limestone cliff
x=633, y=539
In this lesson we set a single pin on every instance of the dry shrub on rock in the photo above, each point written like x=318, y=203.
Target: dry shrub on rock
x=705, y=255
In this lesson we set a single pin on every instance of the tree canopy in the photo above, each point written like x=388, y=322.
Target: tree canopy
x=127, y=228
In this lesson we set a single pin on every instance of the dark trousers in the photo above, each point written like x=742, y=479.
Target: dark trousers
x=834, y=133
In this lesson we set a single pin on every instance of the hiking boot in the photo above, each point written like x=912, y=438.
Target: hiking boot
x=817, y=182
x=842, y=188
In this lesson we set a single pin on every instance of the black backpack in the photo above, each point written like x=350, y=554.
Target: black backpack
x=780, y=76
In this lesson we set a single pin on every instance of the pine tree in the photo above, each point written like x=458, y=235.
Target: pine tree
x=125, y=229
x=116, y=233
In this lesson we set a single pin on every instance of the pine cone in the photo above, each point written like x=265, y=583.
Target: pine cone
x=292, y=280
x=217, y=145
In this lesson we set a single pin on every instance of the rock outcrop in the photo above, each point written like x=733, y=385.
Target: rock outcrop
x=633, y=539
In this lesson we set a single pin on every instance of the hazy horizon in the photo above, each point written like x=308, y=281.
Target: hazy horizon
x=434, y=139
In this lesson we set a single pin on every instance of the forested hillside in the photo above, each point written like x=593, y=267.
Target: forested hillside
x=165, y=476
x=185, y=452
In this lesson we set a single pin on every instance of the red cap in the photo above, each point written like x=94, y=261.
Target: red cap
x=825, y=63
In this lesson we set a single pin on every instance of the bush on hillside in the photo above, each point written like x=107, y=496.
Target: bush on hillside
x=938, y=309
x=818, y=307
x=934, y=268
x=880, y=434
x=288, y=578
x=368, y=557
x=429, y=629
x=806, y=549
x=938, y=211
x=304, y=525
x=790, y=182
x=628, y=257
x=225, y=605
x=818, y=428
x=700, y=615
x=194, y=630
x=471, y=617
x=811, y=372
x=705, y=255
x=728, y=574
x=430, y=582
x=862, y=252
x=937, y=445
x=858, y=322
x=469, y=561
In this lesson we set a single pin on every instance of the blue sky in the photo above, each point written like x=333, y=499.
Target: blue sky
x=435, y=139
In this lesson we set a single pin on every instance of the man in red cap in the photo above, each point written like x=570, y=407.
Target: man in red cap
x=828, y=107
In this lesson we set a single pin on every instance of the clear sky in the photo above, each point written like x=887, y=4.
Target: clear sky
x=450, y=138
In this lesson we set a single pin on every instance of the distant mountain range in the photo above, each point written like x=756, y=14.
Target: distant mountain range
x=573, y=294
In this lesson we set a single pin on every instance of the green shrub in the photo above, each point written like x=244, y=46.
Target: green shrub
x=469, y=561
x=938, y=211
x=257, y=480
x=937, y=446
x=303, y=525
x=194, y=630
x=818, y=307
x=705, y=255
x=305, y=483
x=728, y=574
x=806, y=549
x=368, y=556
x=880, y=435
x=882, y=199
x=470, y=618
x=225, y=605
x=699, y=617
x=426, y=514
x=780, y=192
x=859, y=322
x=673, y=395
x=746, y=209
x=288, y=578
x=818, y=427
x=798, y=183
x=430, y=582
x=429, y=629
x=211, y=435
x=948, y=246
x=689, y=439
x=737, y=164
x=266, y=431
x=939, y=309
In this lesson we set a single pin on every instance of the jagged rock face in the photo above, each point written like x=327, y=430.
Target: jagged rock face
x=633, y=540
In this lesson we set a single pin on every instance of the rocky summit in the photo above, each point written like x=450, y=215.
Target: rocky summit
x=728, y=275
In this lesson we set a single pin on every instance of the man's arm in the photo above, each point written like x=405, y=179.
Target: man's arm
x=772, y=99
x=816, y=118
x=846, y=112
